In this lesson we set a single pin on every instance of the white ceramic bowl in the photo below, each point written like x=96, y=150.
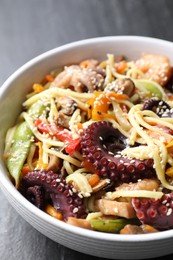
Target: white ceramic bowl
x=12, y=94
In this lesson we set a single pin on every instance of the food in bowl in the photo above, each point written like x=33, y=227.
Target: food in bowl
x=93, y=145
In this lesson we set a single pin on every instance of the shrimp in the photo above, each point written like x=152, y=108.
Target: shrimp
x=145, y=184
x=80, y=79
x=155, y=67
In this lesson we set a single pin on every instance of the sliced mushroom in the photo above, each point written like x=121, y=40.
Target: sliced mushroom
x=53, y=163
x=67, y=105
x=101, y=185
x=63, y=120
x=121, y=86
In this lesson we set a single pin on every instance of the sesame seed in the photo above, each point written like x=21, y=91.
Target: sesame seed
x=117, y=155
x=74, y=190
x=110, y=153
x=75, y=210
x=80, y=195
x=169, y=212
x=70, y=192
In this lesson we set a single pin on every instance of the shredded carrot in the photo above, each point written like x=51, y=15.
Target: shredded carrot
x=52, y=211
x=38, y=88
x=149, y=229
x=121, y=66
x=25, y=169
x=98, y=105
x=40, y=164
x=79, y=222
x=93, y=179
x=170, y=98
x=49, y=78
x=84, y=64
x=79, y=126
x=170, y=147
x=169, y=171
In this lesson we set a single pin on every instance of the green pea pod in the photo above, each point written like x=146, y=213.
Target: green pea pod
x=21, y=143
x=36, y=110
x=19, y=150
x=110, y=225
x=153, y=88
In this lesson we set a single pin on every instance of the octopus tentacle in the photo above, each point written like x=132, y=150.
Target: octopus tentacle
x=100, y=147
x=65, y=198
x=155, y=212
x=36, y=196
x=160, y=107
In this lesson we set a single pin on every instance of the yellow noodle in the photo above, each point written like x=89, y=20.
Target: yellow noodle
x=108, y=78
x=117, y=126
x=159, y=153
x=81, y=170
x=160, y=121
x=53, y=111
x=57, y=92
x=132, y=137
x=120, y=117
x=64, y=157
x=78, y=155
x=45, y=156
x=112, y=67
x=74, y=120
x=68, y=167
x=139, y=152
x=81, y=182
x=81, y=105
x=134, y=73
x=41, y=137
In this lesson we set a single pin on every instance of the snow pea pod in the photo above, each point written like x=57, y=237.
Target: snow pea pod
x=111, y=225
x=19, y=150
x=36, y=110
x=153, y=88
x=21, y=144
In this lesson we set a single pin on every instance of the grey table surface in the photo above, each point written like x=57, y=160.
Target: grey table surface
x=31, y=27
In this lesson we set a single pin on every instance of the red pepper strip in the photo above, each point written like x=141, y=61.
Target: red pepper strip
x=72, y=146
x=60, y=133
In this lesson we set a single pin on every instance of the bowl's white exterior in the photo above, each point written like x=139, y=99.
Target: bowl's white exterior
x=12, y=94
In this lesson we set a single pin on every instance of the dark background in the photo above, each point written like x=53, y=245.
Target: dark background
x=31, y=27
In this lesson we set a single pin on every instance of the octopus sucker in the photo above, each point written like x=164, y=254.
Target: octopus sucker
x=101, y=145
x=160, y=107
x=155, y=212
x=47, y=185
x=35, y=195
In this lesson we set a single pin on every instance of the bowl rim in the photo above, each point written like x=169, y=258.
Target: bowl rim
x=6, y=184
